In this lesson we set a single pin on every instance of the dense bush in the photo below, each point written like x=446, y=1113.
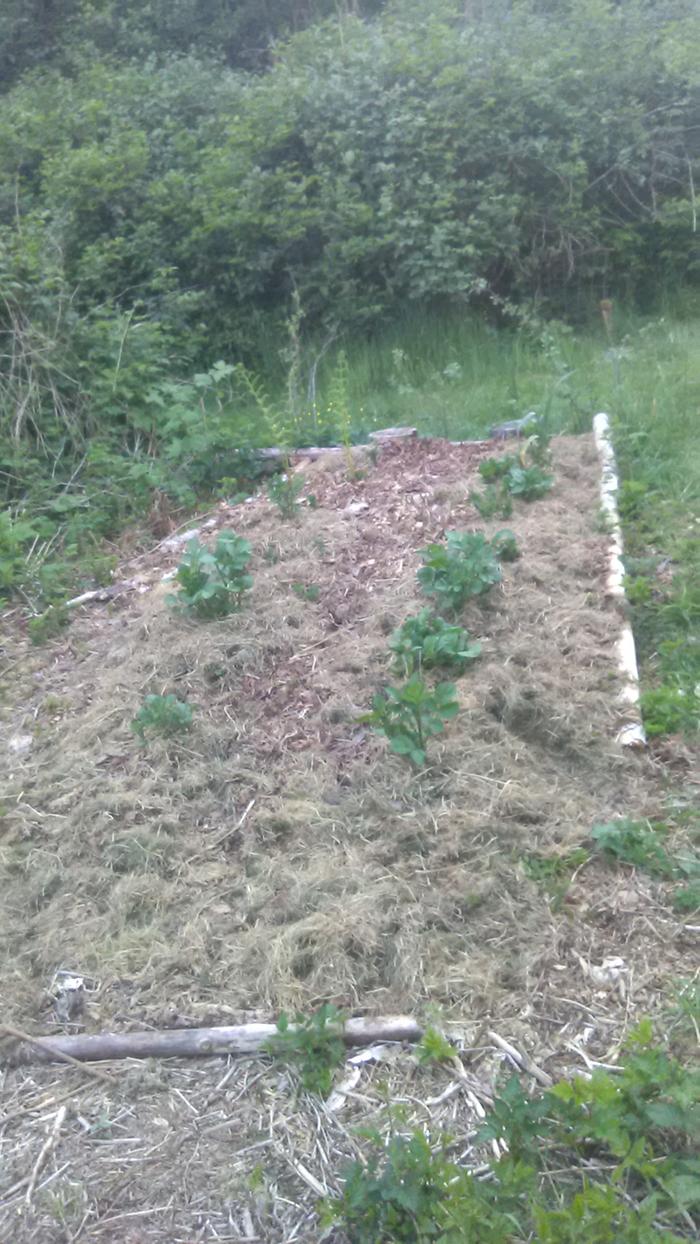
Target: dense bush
x=162, y=206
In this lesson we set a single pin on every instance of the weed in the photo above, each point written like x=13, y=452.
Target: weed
x=411, y=714
x=635, y=842
x=162, y=714
x=312, y=1045
x=433, y=1047
x=670, y=709
x=212, y=584
x=310, y=592
x=465, y=566
x=494, y=500
x=554, y=872
x=49, y=624
x=284, y=491
x=426, y=641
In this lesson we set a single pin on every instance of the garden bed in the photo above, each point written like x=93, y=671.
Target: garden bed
x=280, y=856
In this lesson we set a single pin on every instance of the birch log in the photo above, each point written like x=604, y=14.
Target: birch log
x=196, y=1042
x=631, y=732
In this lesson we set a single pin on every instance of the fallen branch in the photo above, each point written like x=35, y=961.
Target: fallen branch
x=194, y=1042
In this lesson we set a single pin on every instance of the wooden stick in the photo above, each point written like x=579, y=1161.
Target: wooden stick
x=195, y=1042
x=51, y=1053
x=631, y=733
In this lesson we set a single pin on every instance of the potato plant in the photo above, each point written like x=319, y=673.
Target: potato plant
x=465, y=566
x=408, y=716
x=427, y=641
x=212, y=583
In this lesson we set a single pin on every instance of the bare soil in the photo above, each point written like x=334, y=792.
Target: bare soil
x=279, y=856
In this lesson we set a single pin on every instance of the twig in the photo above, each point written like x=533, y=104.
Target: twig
x=48, y=1145
x=522, y=1060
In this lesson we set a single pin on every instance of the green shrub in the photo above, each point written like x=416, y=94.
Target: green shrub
x=426, y=641
x=670, y=709
x=604, y=1160
x=464, y=567
x=162, y=714
x=49, y=624
x=408, y=716
x=313, y=1045
x=212, y=583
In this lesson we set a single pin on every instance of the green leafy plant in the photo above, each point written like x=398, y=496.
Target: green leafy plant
x=505, y=546
x=516, y=477
x=433, y=1047
x=312, y=1045
x=670, y=709
x=408, y=716
x=637, y=843
x=494, y=500
x=687, y=898
x=212, y=583
x=162, y=714
x=426, y=641
x=464, y=567
x=554, y=872
x=49, y=624
x=604, y=1160
x=284, y=492
x=528, y=482
x=398, y=1199
x=492, y=469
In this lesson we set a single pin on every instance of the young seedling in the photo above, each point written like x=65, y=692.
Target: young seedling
x=162, y=714
x=426, y=641
x=212, y=584
x=411, y=714
x=465, y=566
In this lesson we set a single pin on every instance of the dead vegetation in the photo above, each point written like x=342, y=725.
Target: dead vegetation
x=278, y=856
